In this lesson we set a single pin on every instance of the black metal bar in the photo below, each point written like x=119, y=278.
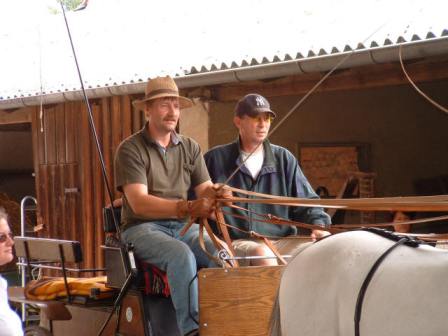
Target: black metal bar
x=191, y=283
x=117, y=302
x=117, y=325
x=64, y=272
x=28, y=264
x=76, y=270
x=92, y=126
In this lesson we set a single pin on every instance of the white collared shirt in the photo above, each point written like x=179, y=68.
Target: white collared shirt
x=254, y=162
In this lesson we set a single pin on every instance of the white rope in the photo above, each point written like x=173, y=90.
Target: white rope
x=424, y=95
x=41, y=110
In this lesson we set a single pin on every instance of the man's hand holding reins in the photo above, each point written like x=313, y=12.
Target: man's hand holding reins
x=199, y=208
x=222, y=192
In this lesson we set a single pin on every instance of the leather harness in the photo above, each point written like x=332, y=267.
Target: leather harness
x=399, y=240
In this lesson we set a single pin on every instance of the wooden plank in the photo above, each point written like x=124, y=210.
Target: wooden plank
x=23, y=115
x=71, y=203
x=38, y=139
x=49, y=132
x=134, y=324
x=60, y=133
x=43, y=198
x=85, y=165
x=62, y=204
x=86, y=321
x=138, y=118
x=117, y=134
x=126, y=117
x=54, y=216
x=71, y=129
x=117, y=131
x=364, y=77
x=237, y=301
x=48, y=249
x=107, y=146
x=98, y=186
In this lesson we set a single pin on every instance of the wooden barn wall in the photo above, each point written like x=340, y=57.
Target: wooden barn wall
x=407, y=136
x=349, y=109
x=70, y=188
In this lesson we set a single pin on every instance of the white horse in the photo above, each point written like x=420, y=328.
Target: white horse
x=407, y=295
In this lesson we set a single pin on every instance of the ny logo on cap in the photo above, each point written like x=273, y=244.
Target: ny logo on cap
x=260, y=101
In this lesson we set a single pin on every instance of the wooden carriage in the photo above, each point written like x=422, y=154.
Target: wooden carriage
x=233, y=301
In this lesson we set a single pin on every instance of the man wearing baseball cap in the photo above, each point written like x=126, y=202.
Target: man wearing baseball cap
x=154, y=169
x=268, y=169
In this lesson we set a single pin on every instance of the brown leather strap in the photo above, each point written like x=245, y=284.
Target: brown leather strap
x=216, y=243
x=187, y=226
x=219, y=245
x=344, y=227
x=204, y=248
x=271, y=246
x=225, y=232
x=410, y=222
x=411, y=203
x=282, y=221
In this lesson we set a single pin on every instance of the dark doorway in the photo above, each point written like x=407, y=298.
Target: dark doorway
x=16, y=164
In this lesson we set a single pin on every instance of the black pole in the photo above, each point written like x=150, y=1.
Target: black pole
x=124, y=250
x=92, y=127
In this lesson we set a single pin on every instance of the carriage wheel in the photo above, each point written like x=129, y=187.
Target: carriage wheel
x=37, y=331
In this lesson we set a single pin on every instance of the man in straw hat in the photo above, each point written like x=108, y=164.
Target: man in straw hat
x=155, y=168
x=268, y=169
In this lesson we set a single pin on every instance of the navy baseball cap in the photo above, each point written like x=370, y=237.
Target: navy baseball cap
x=252, y=105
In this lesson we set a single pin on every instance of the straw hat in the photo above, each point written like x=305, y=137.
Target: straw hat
x=161, y=87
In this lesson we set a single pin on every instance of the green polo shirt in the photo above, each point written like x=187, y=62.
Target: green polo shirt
x=167, y=172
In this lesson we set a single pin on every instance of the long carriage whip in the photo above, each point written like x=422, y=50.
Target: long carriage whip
x=92, y=125
x=123, y=250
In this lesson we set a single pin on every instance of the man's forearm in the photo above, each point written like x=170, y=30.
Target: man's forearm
x=155, y=207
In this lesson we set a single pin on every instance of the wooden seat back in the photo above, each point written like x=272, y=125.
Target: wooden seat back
x=51, y=250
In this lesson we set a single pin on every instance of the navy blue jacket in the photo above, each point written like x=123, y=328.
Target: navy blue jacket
x=280, y=175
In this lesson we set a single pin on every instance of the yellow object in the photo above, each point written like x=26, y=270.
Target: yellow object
x=54, y=288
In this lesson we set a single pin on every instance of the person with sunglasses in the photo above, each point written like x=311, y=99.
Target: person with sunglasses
x=10, y=324
x=264, y=168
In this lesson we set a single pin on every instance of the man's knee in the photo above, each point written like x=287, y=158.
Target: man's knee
x=263, y=251
x=179, y=252
x=260, y=250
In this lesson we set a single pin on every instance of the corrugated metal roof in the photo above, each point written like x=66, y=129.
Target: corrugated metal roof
x=121, y=43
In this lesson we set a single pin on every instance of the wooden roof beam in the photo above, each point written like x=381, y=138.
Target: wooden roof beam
x=18, y=116
x=345, y=79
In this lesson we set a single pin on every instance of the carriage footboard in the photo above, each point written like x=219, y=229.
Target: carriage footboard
x=237, y=301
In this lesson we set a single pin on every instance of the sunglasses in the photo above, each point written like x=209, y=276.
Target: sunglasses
x=4, y=236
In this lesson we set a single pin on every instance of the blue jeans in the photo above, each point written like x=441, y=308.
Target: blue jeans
x=160, y=244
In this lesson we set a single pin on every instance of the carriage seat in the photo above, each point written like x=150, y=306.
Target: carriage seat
x=150, y=279
x=53, y=310
x=55, y=255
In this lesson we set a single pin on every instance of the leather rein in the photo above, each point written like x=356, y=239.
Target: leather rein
x=226, y=251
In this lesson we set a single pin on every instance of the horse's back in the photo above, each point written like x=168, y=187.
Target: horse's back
x=407, y=295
